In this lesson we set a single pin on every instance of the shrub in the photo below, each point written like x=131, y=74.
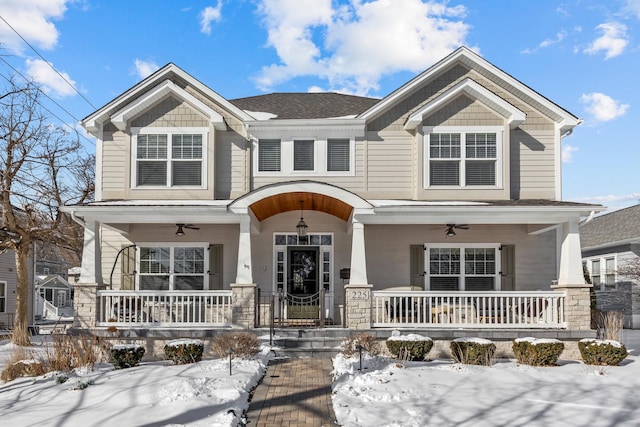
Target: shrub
x=602, y=352
x=70, y=352
x=472, y=351
x=369, y=344
x=242, y=344
x=409, y=347
x=23, y=368
x=184, y=351
x=126, y=355
x=537, y=352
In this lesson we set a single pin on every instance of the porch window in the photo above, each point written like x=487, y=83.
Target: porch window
x=460, y=268
x=469, y=158
x=165, y=158
x=3, y=297
x=168, y=268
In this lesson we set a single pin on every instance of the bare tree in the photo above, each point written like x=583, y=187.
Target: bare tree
x=41, y=168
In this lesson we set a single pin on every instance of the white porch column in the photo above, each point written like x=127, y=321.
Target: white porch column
x=244, y=274
x=570, y=272
x=358, y=255
x=91, y=271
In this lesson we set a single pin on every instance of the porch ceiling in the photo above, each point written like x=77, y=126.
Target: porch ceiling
x=286, y=202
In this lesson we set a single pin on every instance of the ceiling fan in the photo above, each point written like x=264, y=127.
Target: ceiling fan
x=449, y=231
x=181, y=227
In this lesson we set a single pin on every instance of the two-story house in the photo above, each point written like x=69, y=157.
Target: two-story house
x=439, y=204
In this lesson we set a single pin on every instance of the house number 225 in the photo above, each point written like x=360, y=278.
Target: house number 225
x=359, y=295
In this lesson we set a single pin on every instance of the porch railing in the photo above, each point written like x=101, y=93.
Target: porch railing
x=164, y=308
x=468, y=309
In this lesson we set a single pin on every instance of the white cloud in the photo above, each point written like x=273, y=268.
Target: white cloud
x=52, y=82
x=208, y=15
x=548, y=42
x=602, y=107
x=33, y=19
x=346, y=46
x=613, y=41
x=567, y=153
x=144, y=68
x=633, y=7
x=613, y=202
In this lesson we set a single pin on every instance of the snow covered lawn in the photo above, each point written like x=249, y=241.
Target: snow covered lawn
x=154, y=393
x=441, y=393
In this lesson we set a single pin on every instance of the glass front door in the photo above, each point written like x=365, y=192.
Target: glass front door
x=302, y=277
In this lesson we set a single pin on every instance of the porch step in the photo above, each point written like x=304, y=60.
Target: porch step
x=298, y=342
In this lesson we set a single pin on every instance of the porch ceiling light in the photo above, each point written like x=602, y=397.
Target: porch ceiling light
x=450, y=232
x=302, y=226
x=179, y=231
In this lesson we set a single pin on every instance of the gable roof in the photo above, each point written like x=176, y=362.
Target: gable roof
x=617, y=227
x=93, y=121
x=320, y=105
x=472, y=60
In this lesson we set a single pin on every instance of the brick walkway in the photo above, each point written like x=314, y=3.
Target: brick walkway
x=294, y=392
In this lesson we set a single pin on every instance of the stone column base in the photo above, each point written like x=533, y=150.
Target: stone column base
x=86, y=305
x=577, y=305
x=358, y=302
x=243, y=300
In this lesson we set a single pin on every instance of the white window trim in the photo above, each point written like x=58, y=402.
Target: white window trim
x=603, y=269
x=172, y=246
x=168, y=131
x=6, y=291
x=499, y=131
x=319, y=162
x=496, y=286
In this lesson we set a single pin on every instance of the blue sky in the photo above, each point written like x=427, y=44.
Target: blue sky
x=582, y=54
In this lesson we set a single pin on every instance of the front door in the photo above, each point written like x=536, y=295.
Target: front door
x=302, y=270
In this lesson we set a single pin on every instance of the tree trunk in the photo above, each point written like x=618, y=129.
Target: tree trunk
x=21, y=321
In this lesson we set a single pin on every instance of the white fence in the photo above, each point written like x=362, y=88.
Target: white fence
x=501, y=310
x=164, y=308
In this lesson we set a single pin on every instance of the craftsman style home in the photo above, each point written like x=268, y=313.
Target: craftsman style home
x=438, y=205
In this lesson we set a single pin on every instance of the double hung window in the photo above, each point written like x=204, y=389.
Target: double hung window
x=459, y=268
x=470, y=158
x=603, y=273
x=166, y=158
x=3, y=297
x=180, y=268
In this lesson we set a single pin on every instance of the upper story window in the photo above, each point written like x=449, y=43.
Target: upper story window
x=333, y=156
x=463, y=157
x=169, y=157
x=3, y=297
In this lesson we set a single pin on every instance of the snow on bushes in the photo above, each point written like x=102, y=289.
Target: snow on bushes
x=472, y=351
x=368, y=343
x=537, y=351
x=126, y=355
x=409, y=347
x=602, y=352
x=184, y=351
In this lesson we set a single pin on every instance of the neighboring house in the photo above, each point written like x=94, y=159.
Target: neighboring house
x=336, y=205
x=53, y=259
x=54, y=297
x=608, y=243
x=8, y=290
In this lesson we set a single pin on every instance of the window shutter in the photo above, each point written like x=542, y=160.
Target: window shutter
x=215, y=267
x=338, y=155
x=303, y=154
x=417, y=266
x=508, y=266
x=128, y=268
x=269, y=155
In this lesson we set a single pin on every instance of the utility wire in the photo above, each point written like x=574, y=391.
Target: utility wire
x=49, y=64
x=52, y=100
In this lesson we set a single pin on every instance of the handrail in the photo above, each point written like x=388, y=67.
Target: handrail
x=115, y=262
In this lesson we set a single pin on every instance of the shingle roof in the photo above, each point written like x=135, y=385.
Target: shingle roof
x=616, y=226
x=306, y=105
